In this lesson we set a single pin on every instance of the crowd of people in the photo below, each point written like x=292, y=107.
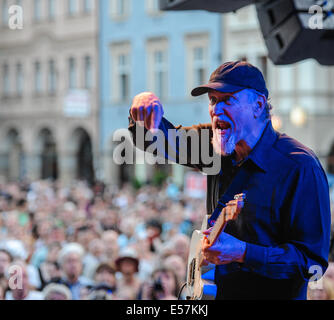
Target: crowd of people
x=100, y=243
x=84, y=242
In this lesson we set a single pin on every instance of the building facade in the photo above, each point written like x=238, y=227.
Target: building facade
x=144, y=49
x=48, y=90
x=68, y=77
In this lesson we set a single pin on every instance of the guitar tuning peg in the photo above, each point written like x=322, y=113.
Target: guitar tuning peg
x=240, y=196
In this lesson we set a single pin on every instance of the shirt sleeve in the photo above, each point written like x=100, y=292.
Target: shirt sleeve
x=189, y=146
x=308, y=220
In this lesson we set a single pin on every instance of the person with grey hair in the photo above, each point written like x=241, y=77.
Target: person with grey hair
x=269, y=246
x=70, y=260
x=18, y=283
x=56, y=291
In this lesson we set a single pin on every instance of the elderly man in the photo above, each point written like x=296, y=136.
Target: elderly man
x=70, y=259
x=281, y=237
x=18, y=283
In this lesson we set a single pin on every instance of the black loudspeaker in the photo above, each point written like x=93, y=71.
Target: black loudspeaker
x=291, y=31
x=222, y=6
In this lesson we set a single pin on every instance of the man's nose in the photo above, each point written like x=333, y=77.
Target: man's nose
x=218, y=109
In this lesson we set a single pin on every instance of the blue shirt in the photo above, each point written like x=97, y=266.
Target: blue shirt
x=77, y=287
x=285, y=220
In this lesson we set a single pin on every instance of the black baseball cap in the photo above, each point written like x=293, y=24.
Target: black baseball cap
x=234, y=76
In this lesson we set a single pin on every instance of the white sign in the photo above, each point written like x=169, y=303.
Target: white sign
x=77, y=104
x=195, y=184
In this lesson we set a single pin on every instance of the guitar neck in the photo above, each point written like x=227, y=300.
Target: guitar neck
x=218, y=227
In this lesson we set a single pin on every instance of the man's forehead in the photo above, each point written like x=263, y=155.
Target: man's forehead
x=213, y=92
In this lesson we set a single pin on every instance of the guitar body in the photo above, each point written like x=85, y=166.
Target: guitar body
x=200, y=278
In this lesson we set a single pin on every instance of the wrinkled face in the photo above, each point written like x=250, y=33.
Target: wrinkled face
x=72, y=266
x=231, y=117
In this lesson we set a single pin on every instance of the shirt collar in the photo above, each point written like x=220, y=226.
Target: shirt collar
x=259, y=154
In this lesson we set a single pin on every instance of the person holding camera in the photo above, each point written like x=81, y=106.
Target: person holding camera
x=163, y=285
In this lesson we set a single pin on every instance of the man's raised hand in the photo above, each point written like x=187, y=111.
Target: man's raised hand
x=147, y=110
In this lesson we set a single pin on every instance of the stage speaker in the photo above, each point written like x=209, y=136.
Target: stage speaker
x=296, y=30
x=222, y=6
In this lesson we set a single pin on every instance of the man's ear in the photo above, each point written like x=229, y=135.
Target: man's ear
x=259, y=106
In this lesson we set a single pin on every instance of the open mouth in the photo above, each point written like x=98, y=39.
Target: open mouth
x=223, y=126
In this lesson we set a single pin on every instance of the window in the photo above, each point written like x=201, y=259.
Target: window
x=262, y=64
x=243, y=18
x=19, y=79
x=38, y=77
x=153, y=7
x=51, y=9
x=160, y=73
x=243, y=15
x=52, y=77
x=199, y=65
x=72, y=7
x=87, y=6
x=158, y=67
x=120, y=55
x=4, y=13
x=37, y=10
x=120, y=8
x=305, y=75
x=5, y=79
x=88, y=72
x=72, y=73
x=123, y=76
x=286, y=78
x=197, y=60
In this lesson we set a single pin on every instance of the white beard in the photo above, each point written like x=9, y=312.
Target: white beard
x=223, y=145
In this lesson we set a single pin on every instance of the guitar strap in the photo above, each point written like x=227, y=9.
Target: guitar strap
x=238, y=185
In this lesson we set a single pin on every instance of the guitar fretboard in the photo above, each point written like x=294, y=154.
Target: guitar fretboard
x=218, y=226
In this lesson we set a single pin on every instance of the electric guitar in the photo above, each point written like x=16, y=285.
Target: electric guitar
x=200, y=278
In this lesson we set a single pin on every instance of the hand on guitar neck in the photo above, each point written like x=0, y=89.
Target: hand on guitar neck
x=215, y=247
x=219, y=247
